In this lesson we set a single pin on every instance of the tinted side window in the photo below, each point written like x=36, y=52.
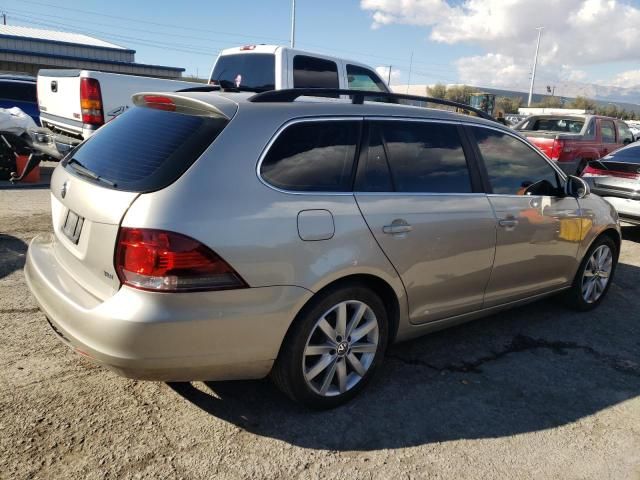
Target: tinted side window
x=313, y=156
x=608, y=132
x=22, y=92
x=373, y=171
x=513, y=166
x=425, y=157
x=591, y=130
x=362, y=79
x=311, y=72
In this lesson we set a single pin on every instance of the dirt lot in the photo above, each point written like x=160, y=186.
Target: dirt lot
x=538, y=392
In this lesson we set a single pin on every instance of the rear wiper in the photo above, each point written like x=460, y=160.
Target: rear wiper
x=82, y=170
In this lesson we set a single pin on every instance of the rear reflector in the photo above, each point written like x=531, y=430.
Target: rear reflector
x=91, y=101
x=170, y=262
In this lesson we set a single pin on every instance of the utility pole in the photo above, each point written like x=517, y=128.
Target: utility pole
x=4, y=18
x=389, y=76
x=410, y=65
x=535, y=62
x=293, y=23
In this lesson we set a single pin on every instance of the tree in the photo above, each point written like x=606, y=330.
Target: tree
x=460, y=93
x=439, y=90
x=509, y=104
x=550, y=102
x=582, y=103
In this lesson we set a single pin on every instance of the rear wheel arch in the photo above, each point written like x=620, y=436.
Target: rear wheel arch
x=376, y=284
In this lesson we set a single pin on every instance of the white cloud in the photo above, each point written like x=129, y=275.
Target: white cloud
x=576, y=32
x=492, y=70
x=384, y=73
x=628, y=79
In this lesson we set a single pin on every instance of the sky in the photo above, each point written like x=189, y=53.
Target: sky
x=488, y=43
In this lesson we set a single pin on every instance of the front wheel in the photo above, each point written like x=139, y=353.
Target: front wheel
x=333, y=348
x=594, y=275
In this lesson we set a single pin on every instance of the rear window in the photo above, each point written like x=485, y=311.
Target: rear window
x=146, y=149
x=565, y=125
x=627, y=155
x=313, y=156
x=21, y=92
x=252, y=71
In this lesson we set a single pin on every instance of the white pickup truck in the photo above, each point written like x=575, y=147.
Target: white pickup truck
x=274, y=67
x=78, y=102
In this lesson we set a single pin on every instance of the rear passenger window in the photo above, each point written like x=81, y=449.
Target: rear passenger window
x=313, y=156
x=311, y=72
x=422, y=157
x=608, y=132
x=21, y=92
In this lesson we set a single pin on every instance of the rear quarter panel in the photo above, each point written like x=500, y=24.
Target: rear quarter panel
x=221, y=202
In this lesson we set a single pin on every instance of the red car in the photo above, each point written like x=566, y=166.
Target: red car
x=574, y=140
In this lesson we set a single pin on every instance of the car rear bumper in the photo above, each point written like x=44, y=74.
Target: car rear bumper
x=628, y=209
x=233, y=334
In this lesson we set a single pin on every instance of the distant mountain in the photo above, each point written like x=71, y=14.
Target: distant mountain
x=623, y=98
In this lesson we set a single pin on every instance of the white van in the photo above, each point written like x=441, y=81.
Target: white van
x=273, y=67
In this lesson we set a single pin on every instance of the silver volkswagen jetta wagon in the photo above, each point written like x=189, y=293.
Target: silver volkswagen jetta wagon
x=229, y=235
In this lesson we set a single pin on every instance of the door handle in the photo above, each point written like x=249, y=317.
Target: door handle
x=396, y=228
x=508, y=222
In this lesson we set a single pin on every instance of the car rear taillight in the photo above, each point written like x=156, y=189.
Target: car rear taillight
x=591, y=171
x=159, y=102
x=164, y=261
x=91, y=101
x=556, y=149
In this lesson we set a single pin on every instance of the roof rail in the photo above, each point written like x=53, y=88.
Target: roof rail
x=358, y=97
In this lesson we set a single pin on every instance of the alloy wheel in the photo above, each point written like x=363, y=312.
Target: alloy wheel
x=597, y=273
x=341, y=348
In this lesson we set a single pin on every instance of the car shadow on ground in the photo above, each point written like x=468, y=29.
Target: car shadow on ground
x=631, y=233
x=12, y=254
x=536, y=367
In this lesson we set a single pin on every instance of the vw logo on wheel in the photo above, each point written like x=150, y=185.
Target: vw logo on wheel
x=63, y=190
x=342, y=348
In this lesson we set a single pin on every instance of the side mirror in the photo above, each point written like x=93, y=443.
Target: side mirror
x=576, y=187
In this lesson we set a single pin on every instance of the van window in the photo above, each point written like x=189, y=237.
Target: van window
x=422, y=157
x=312, y=72
x=363, y=79
x=313, y=156
x=146, y=149
x=253, y=71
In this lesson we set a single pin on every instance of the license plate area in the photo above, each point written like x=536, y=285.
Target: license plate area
x=72, y=226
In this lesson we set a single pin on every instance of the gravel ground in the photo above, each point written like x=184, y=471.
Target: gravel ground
x=537, y=392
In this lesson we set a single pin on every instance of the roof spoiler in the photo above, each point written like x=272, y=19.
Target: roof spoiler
x=172, y=102
x=358, y=97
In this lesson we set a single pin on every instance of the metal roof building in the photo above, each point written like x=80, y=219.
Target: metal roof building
x=27, y=50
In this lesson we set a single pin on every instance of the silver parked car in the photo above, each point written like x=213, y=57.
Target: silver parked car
x=616, y=177
x=208, y=236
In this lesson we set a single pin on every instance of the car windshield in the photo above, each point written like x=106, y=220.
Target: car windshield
x=249, y=71
x=566, y=125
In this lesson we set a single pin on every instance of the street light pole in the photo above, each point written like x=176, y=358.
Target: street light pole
x=535, y=62
x=293, y=23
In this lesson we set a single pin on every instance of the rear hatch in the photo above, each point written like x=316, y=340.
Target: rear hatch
x=145, y=149
x=59, y=94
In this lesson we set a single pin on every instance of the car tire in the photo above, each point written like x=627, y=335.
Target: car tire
x=321, y=363
x=594, y=276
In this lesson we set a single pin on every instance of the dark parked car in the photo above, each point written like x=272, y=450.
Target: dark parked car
x=20, y=91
